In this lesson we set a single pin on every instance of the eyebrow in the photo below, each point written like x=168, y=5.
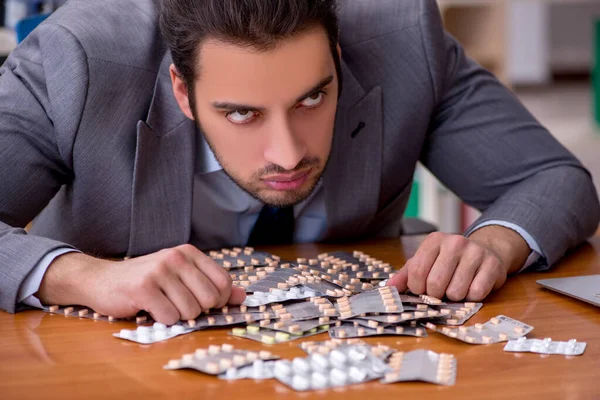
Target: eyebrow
x=226, y=105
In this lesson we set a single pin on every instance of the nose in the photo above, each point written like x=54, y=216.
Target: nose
x=284, y=147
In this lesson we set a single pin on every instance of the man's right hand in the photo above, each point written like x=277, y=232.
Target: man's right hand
x=173, y=284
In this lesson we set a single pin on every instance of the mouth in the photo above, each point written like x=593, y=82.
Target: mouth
x=286, y=182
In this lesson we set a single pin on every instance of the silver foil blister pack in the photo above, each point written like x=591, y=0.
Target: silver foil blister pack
x=217, y=360
x=269, y=336
x=153, y=334
x=422, y=365
x=382, y=300
x=348, y=330
x=342, y=366
x=546, y=346
x=496, y=330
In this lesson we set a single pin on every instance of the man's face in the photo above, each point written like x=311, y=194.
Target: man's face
x=268, y=116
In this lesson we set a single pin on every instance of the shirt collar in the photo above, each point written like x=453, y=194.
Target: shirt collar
x=206, y=162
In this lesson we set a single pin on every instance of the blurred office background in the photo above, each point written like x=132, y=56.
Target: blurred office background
x=544, y=50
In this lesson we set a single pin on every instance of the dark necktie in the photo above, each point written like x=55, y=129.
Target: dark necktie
x=274, y=226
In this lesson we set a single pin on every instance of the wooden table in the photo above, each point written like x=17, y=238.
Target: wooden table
x=53, y=357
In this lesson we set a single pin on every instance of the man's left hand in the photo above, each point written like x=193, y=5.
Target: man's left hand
x=456, y=267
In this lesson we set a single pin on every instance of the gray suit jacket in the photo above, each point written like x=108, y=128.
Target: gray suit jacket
x=91, y=137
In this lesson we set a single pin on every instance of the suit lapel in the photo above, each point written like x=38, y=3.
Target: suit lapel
x=353, y=176
x=161, y=208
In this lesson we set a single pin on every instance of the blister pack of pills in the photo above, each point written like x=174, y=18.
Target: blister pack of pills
x=84, y=312
x=294, y=327
x=278, y=279
x=279, y=296
x=546, y=346
x=258, y=370
x=381, y=300
x=455, y=313
x=348, y=330
x=391, y=319
x=214, y=321
x=496, y=330
x=342, y=366
x=315, y=307
x=422, y=365
x=217, y=360
x=153, y=334
x=269, y=336
x=238, y=257
x=420, y=299
x=324, y=347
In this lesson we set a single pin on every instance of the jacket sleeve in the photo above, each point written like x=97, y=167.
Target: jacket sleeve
x=43, y=87
x=489, y=150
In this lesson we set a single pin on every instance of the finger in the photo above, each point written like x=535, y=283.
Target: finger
x=441, y=273
x=468, y=266
x=423, y=260
x=217, y=275
x=160, y=307
x=202, y=288
x=187, y=304
x=238, y=295
x=488, y=277
x=400, y=279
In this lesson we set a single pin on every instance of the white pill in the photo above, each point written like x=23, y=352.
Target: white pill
x=160, y=334
x=546, y=342
x=177, y=329
x=319, y=380
x=282, y=369
x=299, y=382
x=300, y=366
x=319, y=362
x=383, y=282
x=357, y=374
x=290, y=295
x=310, y=293
x=144, y=330
x=572, y=343
x=158, y=326
x=295, y=290
x=337, y=358
x=338, y=377
x=357, y=354
x=126, y=334
x=231, y=373
x=273, y=297
x=277, y=292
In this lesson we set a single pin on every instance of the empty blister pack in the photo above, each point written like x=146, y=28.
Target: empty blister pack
x=87, y=313
x=294, y=327
x=217, y=360
x=152, y=334
x=345, y=365
x=381, y=300
x=347, y=330
x=269, y=336
x=422, y=365
x=258, y=370
x=546, y=346
x=238, y=257
x=497, y=329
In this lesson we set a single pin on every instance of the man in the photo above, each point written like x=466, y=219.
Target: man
x=253, y=121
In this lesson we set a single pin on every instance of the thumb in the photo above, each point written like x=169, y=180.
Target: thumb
x=400, y=280
x=237, y=296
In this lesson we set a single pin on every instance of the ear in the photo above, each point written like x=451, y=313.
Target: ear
x=339, y=49
x=180, y=91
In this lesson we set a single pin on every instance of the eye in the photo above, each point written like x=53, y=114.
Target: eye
x=241, y=116
x=313, y=100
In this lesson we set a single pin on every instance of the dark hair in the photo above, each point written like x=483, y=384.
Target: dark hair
x=256, y=23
